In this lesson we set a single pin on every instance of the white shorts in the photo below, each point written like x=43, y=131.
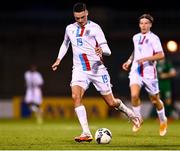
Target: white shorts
x=101, y=80
x=33, y=96
x=151, y=85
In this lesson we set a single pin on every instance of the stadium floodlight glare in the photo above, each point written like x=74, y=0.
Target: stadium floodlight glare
x=172, y=46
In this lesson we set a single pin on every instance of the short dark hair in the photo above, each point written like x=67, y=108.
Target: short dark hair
x=79, y=7
x=147, y=16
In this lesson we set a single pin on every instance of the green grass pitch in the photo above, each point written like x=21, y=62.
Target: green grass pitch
x=59, y=135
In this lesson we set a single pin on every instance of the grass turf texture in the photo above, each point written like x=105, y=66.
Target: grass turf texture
x=59, y=135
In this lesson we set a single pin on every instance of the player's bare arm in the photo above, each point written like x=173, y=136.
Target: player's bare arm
x=56, y=64
x=127, y=64
x=157, y=56
x=171, y=74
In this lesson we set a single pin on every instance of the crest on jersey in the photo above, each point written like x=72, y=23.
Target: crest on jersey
x=87, y=32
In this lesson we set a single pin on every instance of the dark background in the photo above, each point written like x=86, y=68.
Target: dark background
x=32, y=32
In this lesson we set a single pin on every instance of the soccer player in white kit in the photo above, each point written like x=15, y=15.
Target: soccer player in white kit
x=88, y=46
x=33, y=96
x=147, y=49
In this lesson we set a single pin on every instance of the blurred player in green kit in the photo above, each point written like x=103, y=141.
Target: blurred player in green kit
x=166, y=72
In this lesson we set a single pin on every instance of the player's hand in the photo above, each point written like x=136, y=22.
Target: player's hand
x=55, y=65
x=99, y=51
x=126, y=66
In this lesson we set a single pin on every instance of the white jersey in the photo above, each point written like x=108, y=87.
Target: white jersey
x=145, y=45
x=87, y=65
x=83, y=41
x=34, y=81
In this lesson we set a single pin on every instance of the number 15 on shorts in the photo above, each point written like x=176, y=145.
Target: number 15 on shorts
x=105, y=78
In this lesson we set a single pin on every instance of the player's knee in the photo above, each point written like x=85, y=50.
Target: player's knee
x=76, y=97
x=134, y=97
x=154, y=102
x=154, y=99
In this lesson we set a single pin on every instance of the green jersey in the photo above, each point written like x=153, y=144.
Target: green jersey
x=164, y=84
x=164, y=67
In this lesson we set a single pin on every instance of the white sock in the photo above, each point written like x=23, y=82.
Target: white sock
x=137, y=111
x=161, y=114
x=81, y=114
x=123, y=107
x=34, y=108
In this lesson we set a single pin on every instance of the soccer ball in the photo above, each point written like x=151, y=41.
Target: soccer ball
x=103, y=136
